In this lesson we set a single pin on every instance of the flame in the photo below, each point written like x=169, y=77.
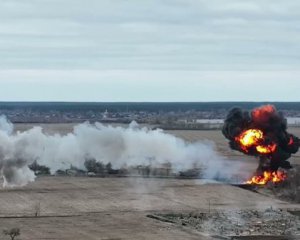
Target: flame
x=267, y=176
x=291, y=141
x=254, y=138
x=266, y=149
x=263, y=113
x=250, y=137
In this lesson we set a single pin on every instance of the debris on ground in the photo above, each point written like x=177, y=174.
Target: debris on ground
x=273, y=222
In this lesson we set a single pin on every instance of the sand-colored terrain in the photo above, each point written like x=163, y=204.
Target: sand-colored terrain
x=116, y=208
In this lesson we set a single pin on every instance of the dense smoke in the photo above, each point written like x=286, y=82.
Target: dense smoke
x=273, y=148
x=122, y=147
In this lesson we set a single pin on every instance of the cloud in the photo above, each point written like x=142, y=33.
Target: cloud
x=180, y=34
x=148, y=85
x=95, y=41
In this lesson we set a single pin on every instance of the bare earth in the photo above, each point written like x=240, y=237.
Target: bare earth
x=117, y=208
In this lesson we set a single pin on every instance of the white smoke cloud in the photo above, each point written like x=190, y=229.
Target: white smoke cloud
x=5, y=125
x=119, y=146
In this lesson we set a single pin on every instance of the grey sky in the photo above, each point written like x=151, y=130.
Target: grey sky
x=158, y=50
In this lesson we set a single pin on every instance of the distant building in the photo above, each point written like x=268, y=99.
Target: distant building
x=105, y=115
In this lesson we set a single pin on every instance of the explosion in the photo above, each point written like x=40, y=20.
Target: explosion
x=262, y=133
x=254, y=138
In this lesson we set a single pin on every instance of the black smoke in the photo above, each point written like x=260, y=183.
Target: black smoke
x=274, y=127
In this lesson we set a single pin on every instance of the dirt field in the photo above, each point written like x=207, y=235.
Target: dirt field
x=117, y=208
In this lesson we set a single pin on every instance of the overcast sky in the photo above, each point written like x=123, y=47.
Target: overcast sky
x=158, y=50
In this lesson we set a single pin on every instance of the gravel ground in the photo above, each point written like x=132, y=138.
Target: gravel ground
x=271, y=221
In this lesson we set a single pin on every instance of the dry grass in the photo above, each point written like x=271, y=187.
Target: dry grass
x=114, y=208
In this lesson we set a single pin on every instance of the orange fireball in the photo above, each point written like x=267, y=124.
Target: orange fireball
x=250, y=137
x=266, y=149
x=254, y=138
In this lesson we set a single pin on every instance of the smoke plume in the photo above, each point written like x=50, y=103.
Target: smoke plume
x=122, y=147
x=262, y=133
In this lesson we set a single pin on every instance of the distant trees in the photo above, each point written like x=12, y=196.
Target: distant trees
x=108, y=167
x=39, y=169
x=92, y=165
x=12, y=233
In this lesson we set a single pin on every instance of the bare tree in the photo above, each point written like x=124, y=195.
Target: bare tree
x=13, y=233
x=93, y=166
x=37, y=209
